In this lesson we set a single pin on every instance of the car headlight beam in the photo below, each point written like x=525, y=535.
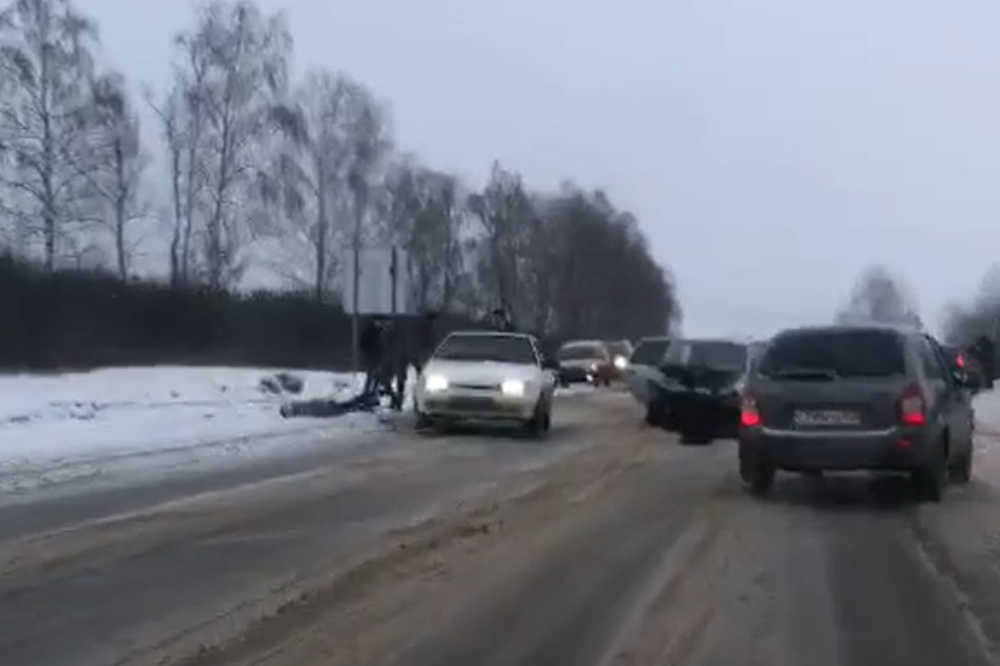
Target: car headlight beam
x=621, y=362
x=513, y=388
x=436, y=383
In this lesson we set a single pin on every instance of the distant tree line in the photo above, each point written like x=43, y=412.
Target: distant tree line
x=880, y=297
x=978, y=317
x=263, y=174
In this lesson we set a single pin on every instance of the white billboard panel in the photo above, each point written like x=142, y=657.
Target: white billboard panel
x=383, y=283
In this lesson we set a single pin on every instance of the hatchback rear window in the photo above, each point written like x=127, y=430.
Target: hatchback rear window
x=721, y=355
x=838, y=353
x=650, y=352
x=580, y=351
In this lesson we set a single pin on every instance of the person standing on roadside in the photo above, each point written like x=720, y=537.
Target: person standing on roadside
x=426, y=340
x=985, y=351
x=372, y=348
x=503, y=322
x=397, y=362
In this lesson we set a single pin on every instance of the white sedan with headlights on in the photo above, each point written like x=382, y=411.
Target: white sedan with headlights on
x=487, y=377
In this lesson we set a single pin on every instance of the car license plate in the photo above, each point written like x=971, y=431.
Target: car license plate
x=826, y=418
x=471, y=403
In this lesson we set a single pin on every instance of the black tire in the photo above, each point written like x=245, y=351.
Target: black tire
x=654, y=416
x=539, y=425
x=423, y=421
x=961, y=470
x=656, y=411
x=756, y=474
x=930, y=480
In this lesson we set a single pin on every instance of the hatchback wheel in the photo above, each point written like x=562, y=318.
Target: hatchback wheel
x=755, y=472
x=929, y=481
x=656, y=412
x=961, y=470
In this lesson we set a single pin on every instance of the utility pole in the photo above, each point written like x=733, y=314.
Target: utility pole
x=360, y=191
x=393, y=273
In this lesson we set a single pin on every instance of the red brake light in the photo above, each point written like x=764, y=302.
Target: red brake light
x=912, y=407
x=960, y=361
x=749, y=416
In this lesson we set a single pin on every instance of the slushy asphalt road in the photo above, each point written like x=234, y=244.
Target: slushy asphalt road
x=608, y=545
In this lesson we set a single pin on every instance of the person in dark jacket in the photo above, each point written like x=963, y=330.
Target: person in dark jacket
x=985, y=351
x=426, y=340
x=502, y=321
x=398, y=358
x=372, y=347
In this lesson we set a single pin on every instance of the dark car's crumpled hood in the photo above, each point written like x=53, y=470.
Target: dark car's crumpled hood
x=693, y=377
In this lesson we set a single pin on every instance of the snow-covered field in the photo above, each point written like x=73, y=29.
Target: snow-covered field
x=988, y=411
x=67, y=427
x=987, y=465
x=59, y=427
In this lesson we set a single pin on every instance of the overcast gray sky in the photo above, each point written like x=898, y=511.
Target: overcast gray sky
x=771, y=149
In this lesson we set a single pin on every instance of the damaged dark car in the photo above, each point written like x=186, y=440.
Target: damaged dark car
x=700, y=397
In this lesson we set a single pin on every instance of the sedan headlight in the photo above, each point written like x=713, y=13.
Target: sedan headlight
x=513, y=388
x=621, y=362
x=436, y=383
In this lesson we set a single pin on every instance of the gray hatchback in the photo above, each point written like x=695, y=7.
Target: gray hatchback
x=851, y=398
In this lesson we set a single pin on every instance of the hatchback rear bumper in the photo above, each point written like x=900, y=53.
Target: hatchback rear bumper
x=889, y=450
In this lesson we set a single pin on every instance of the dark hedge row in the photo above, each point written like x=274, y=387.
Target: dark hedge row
x=75, y=319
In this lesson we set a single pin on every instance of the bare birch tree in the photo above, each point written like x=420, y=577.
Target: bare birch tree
x=312, y=177
x=47, y=68
x=504, y=209
x=235, y=72
x=425, y=218
x=879, y=296
x=118, y=166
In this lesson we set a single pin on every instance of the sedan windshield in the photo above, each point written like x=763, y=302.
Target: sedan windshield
x=619, y=349
x=497, y=348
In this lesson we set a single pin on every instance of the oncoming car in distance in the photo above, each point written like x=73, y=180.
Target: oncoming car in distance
x=488, y=377
x=854, y=398
x=585, y=362
x=621, y=352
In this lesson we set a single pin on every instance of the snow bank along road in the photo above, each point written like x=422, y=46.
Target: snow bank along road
x=608, y=545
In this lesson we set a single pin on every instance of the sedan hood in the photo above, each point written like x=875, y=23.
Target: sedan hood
x=479, y=372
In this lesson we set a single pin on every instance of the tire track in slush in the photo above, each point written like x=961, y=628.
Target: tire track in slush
x=220, y=562
x=552, y=572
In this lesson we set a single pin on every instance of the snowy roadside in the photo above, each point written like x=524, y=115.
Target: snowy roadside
x=988, y=411
x=70, y=427
x=77, y=427
x=987, y=464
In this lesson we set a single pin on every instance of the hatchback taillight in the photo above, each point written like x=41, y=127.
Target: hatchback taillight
x=912, y=407
x=749, y=416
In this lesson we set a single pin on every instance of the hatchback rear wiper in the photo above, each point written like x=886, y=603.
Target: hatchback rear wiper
x=804, y=373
